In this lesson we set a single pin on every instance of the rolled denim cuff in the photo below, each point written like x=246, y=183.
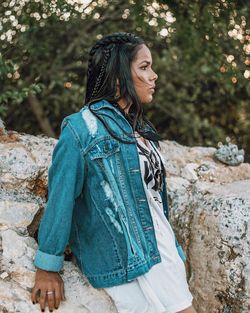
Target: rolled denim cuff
x=48, y=262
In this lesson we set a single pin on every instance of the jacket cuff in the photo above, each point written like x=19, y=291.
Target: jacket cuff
x=48, y=262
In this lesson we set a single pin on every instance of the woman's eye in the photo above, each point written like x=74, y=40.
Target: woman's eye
x=144, y=67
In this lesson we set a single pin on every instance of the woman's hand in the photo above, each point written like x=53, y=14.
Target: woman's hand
x=48, y=281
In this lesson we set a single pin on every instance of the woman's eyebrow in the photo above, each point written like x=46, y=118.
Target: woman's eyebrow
x=145, y=61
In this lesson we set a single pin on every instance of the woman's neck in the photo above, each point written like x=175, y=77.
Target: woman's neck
x=122, y=103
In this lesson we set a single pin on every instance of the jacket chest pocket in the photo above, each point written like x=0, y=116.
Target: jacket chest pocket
x=104, y=149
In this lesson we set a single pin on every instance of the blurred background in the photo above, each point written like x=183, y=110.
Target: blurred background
x=200, y=49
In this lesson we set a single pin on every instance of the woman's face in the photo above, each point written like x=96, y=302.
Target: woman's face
x=143, y=76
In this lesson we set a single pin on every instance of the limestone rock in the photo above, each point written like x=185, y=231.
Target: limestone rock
x=211, y=218
x=24, y=161
x=230, y=154
x=209, y=211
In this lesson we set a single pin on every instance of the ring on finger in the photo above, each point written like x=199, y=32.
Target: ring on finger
x=49, y=292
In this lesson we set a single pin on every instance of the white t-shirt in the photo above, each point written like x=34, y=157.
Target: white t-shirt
x=164, y=288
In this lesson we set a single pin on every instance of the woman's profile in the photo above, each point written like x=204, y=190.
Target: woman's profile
x=107, y=194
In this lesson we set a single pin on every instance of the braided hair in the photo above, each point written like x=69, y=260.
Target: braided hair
x=110, y=59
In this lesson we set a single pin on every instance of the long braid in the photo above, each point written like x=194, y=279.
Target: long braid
x=98, y=76
x=106, y=53
x=104, y=44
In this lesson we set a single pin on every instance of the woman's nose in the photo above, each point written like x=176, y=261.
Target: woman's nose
x=154, y=76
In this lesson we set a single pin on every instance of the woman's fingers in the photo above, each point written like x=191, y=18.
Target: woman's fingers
x=63, y=292
x=42, y=300
x=48, y=289
x=51, y=298
x=58, y=296
x=34, y=292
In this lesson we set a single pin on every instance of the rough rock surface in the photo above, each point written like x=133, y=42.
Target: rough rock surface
x=210, y=213
x=24, y=161
x=209, y=210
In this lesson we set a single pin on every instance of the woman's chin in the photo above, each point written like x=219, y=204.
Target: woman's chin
x=148, y=99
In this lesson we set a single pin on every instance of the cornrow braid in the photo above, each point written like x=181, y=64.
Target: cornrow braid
x=110, y=60
x=106, y=53
x=114, y=38
x=104, y=43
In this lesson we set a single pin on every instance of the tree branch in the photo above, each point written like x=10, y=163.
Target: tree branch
x=41, y=117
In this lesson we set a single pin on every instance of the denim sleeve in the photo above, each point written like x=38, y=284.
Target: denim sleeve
x=65, y=183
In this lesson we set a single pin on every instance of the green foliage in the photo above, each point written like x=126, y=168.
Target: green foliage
x=21, y=95
x=201, y=104
x=202, y=95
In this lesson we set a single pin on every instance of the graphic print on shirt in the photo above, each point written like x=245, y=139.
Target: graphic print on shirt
x=153, y=171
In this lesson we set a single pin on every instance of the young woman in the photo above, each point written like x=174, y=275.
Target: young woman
x=107, y=192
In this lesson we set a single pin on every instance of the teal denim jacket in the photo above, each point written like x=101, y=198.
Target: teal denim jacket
x=97, y=203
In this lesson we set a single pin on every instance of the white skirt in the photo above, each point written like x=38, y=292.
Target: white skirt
x=164, y=289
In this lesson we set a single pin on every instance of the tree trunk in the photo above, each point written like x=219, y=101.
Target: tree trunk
x=41, y=117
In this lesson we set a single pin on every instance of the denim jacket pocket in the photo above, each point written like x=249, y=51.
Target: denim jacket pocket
x=104, y=148
x=104, y=154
